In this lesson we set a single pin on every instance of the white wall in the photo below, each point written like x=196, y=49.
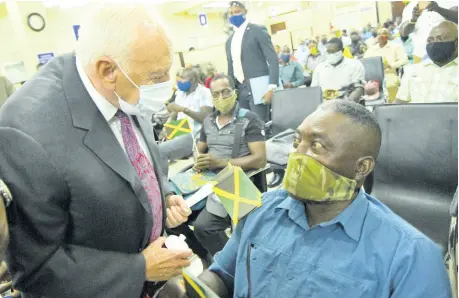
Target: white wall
x=21, y=43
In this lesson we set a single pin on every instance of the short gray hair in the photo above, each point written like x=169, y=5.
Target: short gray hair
x=111, y=30
x=190, y=74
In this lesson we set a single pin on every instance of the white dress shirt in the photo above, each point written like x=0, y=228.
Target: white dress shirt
x=108, y=111
x=201, y=97
x=332, y=77
x=427, y=82
x=236, y=51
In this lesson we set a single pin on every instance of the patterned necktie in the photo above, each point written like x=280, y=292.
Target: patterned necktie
x=145, y=172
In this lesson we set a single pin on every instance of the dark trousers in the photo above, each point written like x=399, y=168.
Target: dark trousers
x=246, y=101
x=210, y=229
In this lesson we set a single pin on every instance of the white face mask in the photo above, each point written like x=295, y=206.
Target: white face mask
x=334, y=58
x=151, y=98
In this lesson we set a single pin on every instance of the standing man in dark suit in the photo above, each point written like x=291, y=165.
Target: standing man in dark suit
x=78, y=154
x=251, y=54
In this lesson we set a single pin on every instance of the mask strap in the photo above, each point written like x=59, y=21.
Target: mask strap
x=127, y=77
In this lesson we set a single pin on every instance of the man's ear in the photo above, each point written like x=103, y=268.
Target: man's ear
x=105, y=69
x=364, y=167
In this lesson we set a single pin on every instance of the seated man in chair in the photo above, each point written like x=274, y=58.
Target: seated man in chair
x=322, y=233
x=230, y=134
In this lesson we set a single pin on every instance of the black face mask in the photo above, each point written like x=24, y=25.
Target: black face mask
x=441, y=52
x=374, y=34
x=404, y=38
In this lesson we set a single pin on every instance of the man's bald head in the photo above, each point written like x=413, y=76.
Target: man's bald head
x=343, y=136
x=445, y=31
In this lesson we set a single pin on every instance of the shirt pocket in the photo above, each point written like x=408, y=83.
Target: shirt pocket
x=260, y=269
x=326, y=283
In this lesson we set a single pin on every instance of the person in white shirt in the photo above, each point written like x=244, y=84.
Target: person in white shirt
x=419, y=17
x=192, y=101
x=345, y=38
x=338, y=72
x=434, y=80
x=250, y=55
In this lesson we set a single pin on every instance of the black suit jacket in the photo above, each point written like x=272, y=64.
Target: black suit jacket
x=82, y=213
x=258, y=57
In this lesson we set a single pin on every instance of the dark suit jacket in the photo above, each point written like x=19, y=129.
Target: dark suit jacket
x=257, y=49
x=82, y=213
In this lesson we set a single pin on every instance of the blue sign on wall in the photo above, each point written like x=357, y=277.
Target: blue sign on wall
x=45, y=57
x=202, y=19
x=76, y=28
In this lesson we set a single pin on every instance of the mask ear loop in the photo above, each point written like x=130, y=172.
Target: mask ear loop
x=127, y=77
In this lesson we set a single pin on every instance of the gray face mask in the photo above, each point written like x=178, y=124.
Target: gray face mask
x=151, y=98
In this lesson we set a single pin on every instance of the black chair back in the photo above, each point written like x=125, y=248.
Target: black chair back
x=291, y=106
x=374, y=70
x=416, y=171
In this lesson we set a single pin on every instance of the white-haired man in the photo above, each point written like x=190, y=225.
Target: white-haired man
x=80, y=160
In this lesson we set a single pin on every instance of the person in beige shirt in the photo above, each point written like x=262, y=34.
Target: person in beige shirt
x=434, y=80
x=394, y=56
x=6, y=89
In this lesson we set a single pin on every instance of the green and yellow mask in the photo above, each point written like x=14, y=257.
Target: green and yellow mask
x=225, y=105
x=306, y=178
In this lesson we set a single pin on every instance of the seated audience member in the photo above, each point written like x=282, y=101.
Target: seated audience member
x=277, y=49
x=6, y=89
x=419, y=19
x=323, y=45
x=394, y=56
x=211, y=72
x=358, y=47
x=315, y=58
x=345, y=38
x=322, y=233
x=373, y=39
x=434, y=80
x=5, y=200
x=338, y=72
x=216, y=146
x=408, y=47
x=291, y=73
x=194, y=101
x=302, y=53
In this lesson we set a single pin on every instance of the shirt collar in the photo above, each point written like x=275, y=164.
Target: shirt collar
x=216, y=113
x=430, y=62
x=242, y=27
x=351, y=219
x=105, y=107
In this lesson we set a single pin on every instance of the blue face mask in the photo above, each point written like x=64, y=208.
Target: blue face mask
x=184, y=86
x=285, y=58
x=237, y=20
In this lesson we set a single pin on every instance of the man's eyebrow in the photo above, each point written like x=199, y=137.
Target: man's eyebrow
x=322, y=136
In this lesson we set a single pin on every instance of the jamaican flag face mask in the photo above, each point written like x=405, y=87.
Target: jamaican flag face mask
x=307, y=179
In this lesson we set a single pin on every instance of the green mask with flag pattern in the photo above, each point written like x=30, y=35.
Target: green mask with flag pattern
x=306, y=178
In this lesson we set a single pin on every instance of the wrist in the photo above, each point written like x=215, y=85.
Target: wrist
x=184, y=110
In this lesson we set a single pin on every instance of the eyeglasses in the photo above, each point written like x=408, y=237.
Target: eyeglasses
x=225, y=93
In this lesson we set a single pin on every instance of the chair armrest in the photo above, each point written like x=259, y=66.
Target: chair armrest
x=269, y=124
x=188, y=167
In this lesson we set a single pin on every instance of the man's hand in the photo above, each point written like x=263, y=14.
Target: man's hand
x=267, y=97
x=416, y=14
x=288, y=85
x=162, y=263
x=175, y=108
x=177, y=211
x=207, y=161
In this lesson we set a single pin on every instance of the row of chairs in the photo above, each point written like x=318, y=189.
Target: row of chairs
x=416, y=172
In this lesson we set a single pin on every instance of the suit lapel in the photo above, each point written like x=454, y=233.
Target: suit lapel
x=99, y=138
x=245, y=38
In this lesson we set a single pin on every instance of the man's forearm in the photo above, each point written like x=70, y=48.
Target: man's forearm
x=356, y=94
x=249, y=162
x=197, y=116
x=448, y=14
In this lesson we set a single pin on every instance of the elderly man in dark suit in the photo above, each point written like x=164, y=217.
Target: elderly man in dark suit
x=81, y=162
x=251, y=55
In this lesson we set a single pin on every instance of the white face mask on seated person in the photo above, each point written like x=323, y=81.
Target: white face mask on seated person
x=151, y=98
x=334, y=58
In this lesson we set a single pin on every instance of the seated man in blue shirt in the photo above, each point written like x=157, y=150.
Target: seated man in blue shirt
x=322, y=236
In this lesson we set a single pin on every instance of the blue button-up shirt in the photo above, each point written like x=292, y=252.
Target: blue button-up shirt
x=366, y=251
